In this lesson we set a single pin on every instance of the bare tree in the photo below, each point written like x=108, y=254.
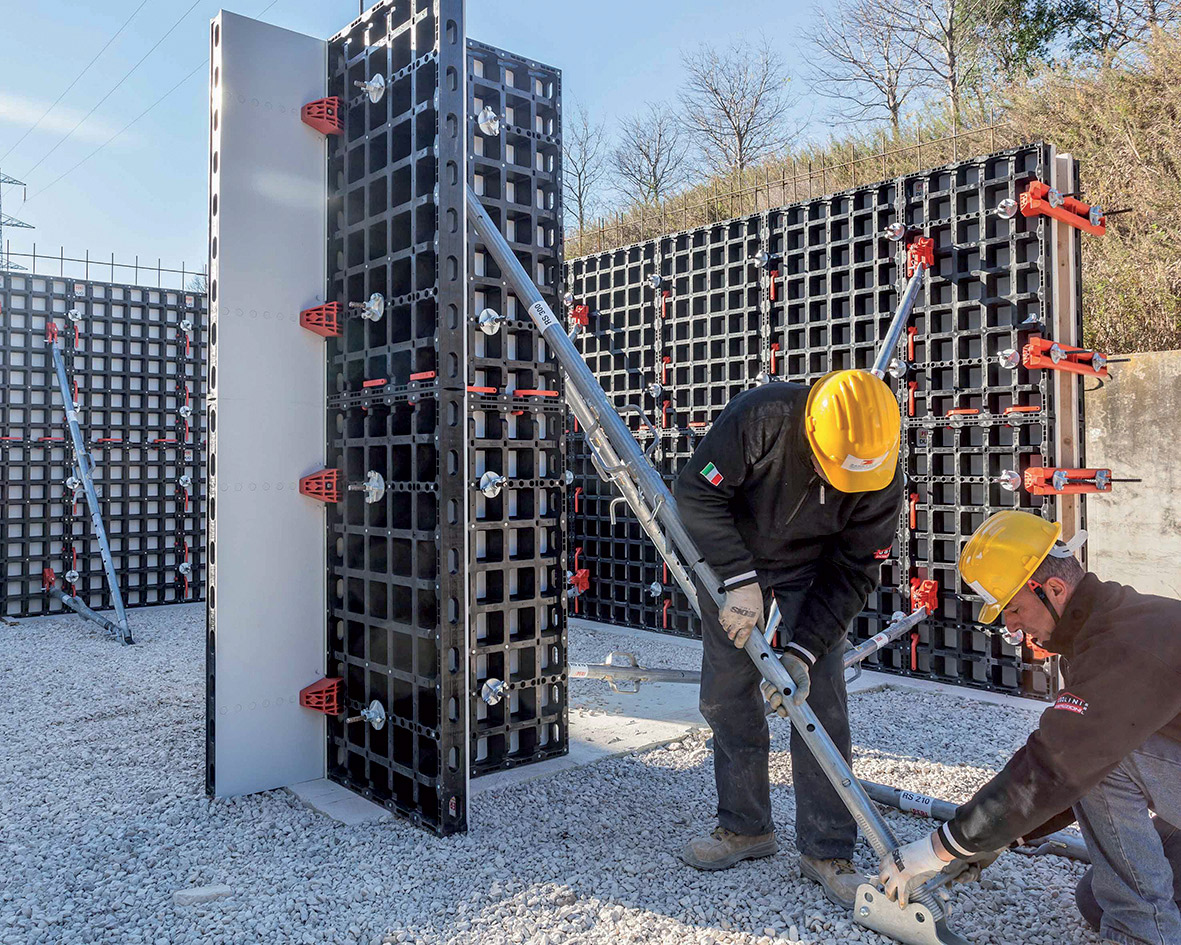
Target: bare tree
x=1106, y=29
x=584, y=162
x=943, y=36
x=736, y=101
x=650, y=161
x=863, y=60
x=198, y=282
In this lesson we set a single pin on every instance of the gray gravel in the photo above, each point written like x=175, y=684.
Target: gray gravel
x=104, y=820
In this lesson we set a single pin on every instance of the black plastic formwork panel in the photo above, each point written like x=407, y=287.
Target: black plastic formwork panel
x=136, y=355
x=818, y=301
x=438, y=588
x=516, y=421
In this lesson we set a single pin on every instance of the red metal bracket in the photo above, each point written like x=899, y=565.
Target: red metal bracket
x=1044, y=480
x=323, y=696
x=580, y=315
x=665, y=362
x=323, y=486
x=911, y=387
x=580, y=580
x=922, y=250
x=911, y=332
x=323, y=320
x=664, y=613
x=48, y=578
x=664, y=303
x=664, y=415
x=1044, y=353
x=324, y=115
x=924, y=594
x=1018, y=408
x=577, y=493
x=963, y=412
x=1040, y=198
x=914, y=511
x=423, y=376
x=774, y=349
x=774, y=276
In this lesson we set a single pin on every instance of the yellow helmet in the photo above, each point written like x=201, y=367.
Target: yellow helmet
x=853, y=425
x=1002, y=555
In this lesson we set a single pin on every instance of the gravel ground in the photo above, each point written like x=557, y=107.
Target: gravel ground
x=104, y=818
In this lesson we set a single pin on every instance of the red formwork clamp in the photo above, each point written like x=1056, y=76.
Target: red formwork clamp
x=914, y=511
x=664, y=303
x=911, y=332
x=774, y=275
x=322, y=320
x=1044, y=480
x=664, y=414
x=324, y=115
x=48, y=578
x=963, y=412
x=1041, y=198
x=774, y=351
x=1047, y=354
x=577, y=493
x=580, y=315
x=665, y=361
x=664, y=613
x=924, y=593
x=911, y=387
x=324, y=696
x=323, y=486
x=921, y=251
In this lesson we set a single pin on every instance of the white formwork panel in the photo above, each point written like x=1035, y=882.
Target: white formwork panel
x=267, y=568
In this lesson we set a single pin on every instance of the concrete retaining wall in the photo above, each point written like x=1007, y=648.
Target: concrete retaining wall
x=1134, y=427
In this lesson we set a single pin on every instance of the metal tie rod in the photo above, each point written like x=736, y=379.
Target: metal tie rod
x=1058, y=843
x=85, y=466
x=924, y=921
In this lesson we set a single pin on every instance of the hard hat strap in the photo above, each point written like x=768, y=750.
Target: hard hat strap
x=1037, y=589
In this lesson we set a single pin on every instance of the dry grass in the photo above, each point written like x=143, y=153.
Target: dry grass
x=1121, y=123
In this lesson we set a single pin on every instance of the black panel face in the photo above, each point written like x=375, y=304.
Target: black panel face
x=437, y=588
x=718, y=318
x=136, y=356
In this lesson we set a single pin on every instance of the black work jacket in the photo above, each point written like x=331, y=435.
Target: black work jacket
x=1122, y=669
x=752, y=501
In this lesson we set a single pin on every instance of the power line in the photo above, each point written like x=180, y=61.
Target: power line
x=126, y=76
x=75, y=82
x=137, y=117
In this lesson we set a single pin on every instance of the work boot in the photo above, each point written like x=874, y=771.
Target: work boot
x=723, y=848
x=838, y=878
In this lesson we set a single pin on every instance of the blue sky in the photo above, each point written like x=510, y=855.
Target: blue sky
x=144, y=193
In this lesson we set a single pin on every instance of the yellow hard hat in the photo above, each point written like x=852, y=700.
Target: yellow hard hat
x=1002, y=555
x=853, y=425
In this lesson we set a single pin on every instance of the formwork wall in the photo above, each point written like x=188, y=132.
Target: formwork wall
x=137, y=358
x=681, y=324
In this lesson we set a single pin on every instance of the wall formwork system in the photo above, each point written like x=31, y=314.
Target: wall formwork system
x=136, y=357
x=682, y=323
x=435, y=586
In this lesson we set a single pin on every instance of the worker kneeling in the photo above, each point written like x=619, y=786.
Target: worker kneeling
x=1109, y=746
x=793, y=493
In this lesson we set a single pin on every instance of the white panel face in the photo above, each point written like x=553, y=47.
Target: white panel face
x=268, y=210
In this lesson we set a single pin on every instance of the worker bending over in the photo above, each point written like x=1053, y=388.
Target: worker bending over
x=1109, y=746
x=794, y=492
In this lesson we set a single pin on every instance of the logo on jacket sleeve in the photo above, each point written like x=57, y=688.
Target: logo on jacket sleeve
x=1070, y=703
x=712, y=476
x=882, y=554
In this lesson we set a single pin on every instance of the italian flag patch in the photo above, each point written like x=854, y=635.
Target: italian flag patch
x=712, y=476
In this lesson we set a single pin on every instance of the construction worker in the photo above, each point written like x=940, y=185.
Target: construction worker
x=1109, y=746
x=794, y=492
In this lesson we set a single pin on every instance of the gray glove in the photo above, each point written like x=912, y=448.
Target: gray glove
x=797, y=669
x=741, y=611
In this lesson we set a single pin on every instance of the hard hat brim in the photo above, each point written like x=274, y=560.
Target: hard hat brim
x=989, y=612
x=848, y=480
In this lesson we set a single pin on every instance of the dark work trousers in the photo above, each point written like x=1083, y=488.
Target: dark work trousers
x=733, y=707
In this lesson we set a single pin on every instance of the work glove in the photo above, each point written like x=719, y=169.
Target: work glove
x=741, y=612
x=797, y=669
x=905, y=869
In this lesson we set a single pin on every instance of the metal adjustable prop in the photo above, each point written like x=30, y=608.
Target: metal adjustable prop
x=84, y=466
x=622, y=461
